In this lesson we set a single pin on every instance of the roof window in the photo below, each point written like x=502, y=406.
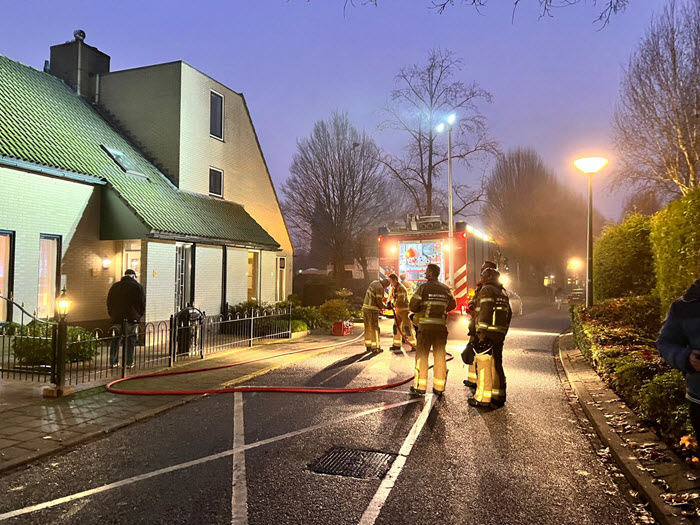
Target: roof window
x=123, y=161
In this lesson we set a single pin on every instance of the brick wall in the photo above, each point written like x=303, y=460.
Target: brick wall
x=268, y=281
x=35, y=204
x=236, y=276
x=208, y=279
x=158, y=276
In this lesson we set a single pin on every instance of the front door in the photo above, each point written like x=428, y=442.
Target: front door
x=183, y=276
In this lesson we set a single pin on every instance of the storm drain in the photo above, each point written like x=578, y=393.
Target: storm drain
x=364, y=464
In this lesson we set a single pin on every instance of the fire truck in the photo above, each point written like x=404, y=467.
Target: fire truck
x=424, y=240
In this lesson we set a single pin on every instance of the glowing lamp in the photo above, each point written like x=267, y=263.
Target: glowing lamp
x=440, y=127
x=590, y=164
x=451, y=118
x=379, y=239
x=447, y=247
x=106, y=263
x=392, y=249
x=464, y=235
x=505, y=280
x=63, y=305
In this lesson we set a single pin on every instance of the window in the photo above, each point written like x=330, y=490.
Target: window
x=216, y=182
x=253, y=275
x=216, y=116
x=49, y=264
x=6, y=270
x=281, y=281
x=125, y=163
x=184, y=273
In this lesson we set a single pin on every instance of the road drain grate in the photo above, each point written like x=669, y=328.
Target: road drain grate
x=364, y=464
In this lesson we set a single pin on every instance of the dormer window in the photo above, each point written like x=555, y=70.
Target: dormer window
x=123, y=161
x=216, y=115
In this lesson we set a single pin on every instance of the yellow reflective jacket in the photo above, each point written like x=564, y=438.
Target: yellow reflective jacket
x=493, y=313
x=431, y=302
x=374, y=297
x=400, y=297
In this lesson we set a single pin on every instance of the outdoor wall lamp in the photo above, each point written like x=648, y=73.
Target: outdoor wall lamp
x=106, y=263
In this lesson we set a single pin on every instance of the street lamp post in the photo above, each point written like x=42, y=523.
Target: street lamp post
x=63, y=305
x=590, y=166
x=440, y=128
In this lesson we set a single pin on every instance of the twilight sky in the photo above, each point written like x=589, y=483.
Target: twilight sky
x=554, y=80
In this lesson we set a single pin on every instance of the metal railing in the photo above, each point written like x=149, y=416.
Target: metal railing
x=30, y=350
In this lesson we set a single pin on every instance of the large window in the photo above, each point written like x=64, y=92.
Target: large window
x=216, y=182
x=6, y=262
x=253, y=276
x=216, y=116
x=49, y=265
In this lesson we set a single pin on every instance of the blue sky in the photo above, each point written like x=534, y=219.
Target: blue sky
x=554, y=80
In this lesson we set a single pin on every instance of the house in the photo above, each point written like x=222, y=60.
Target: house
x=157, y=168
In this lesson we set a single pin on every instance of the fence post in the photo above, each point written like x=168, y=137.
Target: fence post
x=54, y=353
x=124, y=336
x=202, y=327
x=59, y=373
x=252, y=326
x=171, y=346
x=290, y=321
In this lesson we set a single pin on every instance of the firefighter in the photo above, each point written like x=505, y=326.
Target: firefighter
x=374, y=302
x=468, y=354
x=408, y=284
x=493, y=315
x=430, y=303
x=402, y=324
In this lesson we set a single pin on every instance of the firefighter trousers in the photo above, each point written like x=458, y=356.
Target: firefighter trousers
x=427, y=340
x=402, y=324
x=371, y=320
x=489, y=376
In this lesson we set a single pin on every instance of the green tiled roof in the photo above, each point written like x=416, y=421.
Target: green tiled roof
x=42, y=121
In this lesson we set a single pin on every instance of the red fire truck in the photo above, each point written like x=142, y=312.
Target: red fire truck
x=411, y=247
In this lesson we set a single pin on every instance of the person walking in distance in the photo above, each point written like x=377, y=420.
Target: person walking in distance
x=679, y=345
x=126, y=300
x=373, y=303
x=402, y=324
x=492, y=322
x=430, y=303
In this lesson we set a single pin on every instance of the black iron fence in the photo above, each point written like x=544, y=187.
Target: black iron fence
x=32, y=348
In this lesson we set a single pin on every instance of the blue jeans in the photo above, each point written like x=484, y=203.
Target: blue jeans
x=130, y=344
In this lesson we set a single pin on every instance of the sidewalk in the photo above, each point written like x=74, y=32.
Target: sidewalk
x=648, y=464
x=46, y=426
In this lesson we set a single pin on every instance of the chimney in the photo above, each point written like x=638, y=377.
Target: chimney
x=78, y=64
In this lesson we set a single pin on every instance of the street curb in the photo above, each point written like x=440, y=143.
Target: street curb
x=68, y=445
x=628, y=463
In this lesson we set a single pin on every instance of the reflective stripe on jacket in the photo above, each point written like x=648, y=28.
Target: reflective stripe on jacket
x=374, y=296
x=431, y=302
x=493, y=311
x=400, y=297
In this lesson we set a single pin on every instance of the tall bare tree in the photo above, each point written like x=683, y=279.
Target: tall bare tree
x=642, y=202
x=423, y=96
x=657, y=120
x=336, y=191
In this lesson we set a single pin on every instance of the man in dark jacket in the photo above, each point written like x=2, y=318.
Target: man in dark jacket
x=126, y=301
x=679, y=345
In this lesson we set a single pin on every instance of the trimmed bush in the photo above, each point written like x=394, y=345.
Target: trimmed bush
x=623, y=262
x=675, y=240
x=33, y=348
x=299, y=326
x=335, y=310
x=662, y=401
x=310, y=316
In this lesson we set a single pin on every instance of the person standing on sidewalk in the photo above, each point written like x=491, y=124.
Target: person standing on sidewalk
x=402, y=324
x=430, y=303
x=374, y=302
x=679, y=345
x=126, y=300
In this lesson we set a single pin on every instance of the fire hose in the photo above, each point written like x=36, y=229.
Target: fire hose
x=300, y=390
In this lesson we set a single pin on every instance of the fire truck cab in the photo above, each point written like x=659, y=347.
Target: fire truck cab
x=423, y=240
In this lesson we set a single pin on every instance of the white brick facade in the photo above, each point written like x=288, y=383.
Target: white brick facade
x=208, y=279
x=268, y=282
x=236, y=275
x=158, y=276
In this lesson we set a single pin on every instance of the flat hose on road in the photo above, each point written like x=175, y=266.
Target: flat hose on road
x=299, y=390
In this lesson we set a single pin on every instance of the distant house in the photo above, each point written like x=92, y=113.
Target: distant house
x=157, y=168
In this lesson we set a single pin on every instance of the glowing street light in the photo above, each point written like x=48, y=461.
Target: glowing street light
x=589, y=166
x=449, y=122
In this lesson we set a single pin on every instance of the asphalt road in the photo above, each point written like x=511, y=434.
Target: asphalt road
x=525, y=463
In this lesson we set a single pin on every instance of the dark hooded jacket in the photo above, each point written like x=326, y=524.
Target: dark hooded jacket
x=126, y=300
x=680, y=335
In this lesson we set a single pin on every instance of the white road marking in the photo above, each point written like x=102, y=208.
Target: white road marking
x=194, y=462
x=375, y=506
x=239, y=490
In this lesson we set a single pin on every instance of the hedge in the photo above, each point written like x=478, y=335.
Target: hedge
x=623, y=262
x=675, y=240
x=299, y=326
x=33, y=347
x=617, y=338
x=335, y=310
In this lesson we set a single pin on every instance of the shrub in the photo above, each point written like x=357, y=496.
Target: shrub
x=299, y=326
x=10, y=328
x=34, y=347
x=623, y=263
x=662, y=401
x=335, y=310
x=294, y=299
x=310, y=316
x=675, y=239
